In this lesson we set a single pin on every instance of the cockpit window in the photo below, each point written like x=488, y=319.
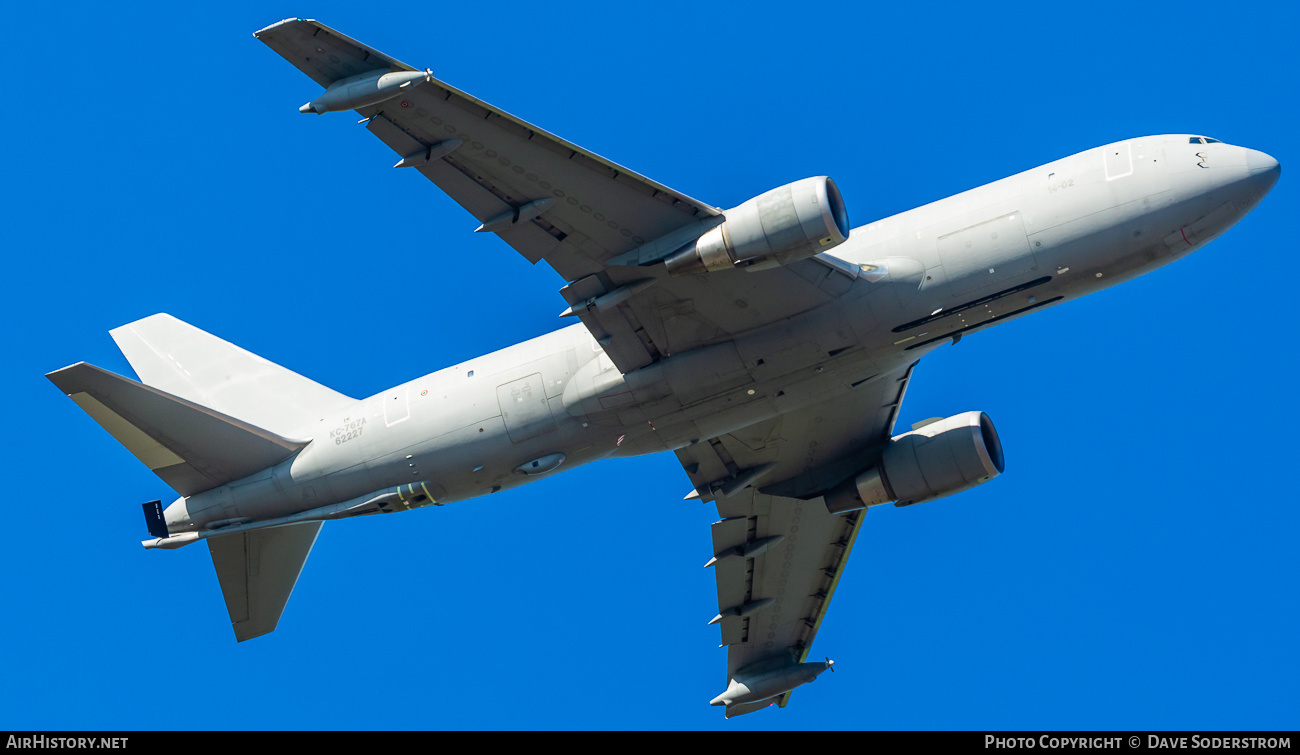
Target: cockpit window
x=1208, y=140
x=1196, y=140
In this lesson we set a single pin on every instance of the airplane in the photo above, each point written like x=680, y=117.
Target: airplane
x=769, y=346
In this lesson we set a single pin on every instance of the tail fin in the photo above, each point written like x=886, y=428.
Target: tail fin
x=191, y=447
x=187, y=362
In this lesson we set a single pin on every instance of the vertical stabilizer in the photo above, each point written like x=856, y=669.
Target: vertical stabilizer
x=182, y=360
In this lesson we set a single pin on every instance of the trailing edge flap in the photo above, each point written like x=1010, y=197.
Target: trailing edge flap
x=192, y=448
x=257, y=570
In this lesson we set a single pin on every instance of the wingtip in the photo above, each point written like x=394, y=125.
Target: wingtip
x=55, y=376
x=281, y=22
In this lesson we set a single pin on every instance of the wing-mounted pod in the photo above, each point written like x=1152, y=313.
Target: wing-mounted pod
x=753, y=686
x=936, y=460
x=364, y=89
x=784, y=225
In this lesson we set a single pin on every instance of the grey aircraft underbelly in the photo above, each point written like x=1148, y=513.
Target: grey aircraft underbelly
x=723, y=336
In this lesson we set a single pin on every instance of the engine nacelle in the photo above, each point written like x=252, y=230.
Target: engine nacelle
x=934, y=461
x=782, y=226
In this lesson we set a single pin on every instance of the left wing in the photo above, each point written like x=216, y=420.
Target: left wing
x=502, y=162
x=786, y=589
x=555, y=201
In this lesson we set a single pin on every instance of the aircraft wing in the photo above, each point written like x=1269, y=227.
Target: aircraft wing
x=809, y=450
x=596, y=211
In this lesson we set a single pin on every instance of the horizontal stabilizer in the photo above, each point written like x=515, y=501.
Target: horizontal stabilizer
x=197, y=366
x=257, y=570
x=191, y=447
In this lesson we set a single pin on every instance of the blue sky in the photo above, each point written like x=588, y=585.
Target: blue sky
x=1134, y=568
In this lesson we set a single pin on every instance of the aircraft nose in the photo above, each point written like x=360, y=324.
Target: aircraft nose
x=1264, y=169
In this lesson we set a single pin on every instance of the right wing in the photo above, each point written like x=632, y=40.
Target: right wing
x=793, y=581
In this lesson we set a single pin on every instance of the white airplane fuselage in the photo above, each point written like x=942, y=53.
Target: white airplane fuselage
x=905, y=285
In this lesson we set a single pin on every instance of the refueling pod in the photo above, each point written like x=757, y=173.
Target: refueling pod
x=752, y=687
x=364, y=89
x=784, y=225
x=933, y=461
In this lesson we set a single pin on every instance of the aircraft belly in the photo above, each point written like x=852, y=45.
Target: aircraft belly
x=732, y=411
x=448, y=459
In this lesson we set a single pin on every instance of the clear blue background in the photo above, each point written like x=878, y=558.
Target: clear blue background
x=1135, y=567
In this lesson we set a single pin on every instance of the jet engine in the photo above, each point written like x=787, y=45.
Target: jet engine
x=936, y=460
x=784, y=225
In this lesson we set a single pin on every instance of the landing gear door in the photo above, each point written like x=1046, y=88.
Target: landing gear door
x=524, y=408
